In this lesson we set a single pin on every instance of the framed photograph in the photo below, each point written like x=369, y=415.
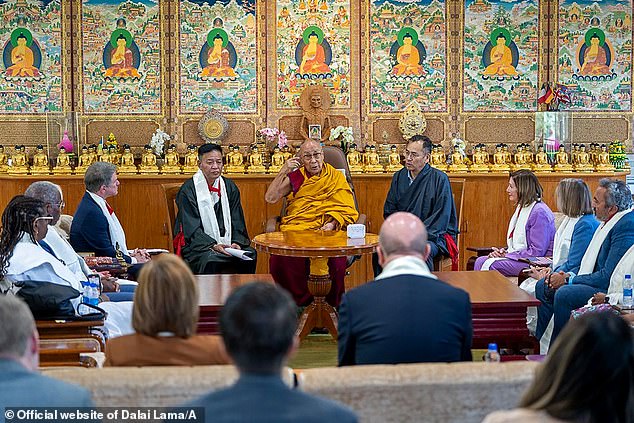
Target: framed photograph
x=314, y=132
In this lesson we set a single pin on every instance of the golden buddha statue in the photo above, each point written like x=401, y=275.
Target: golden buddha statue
x=480, y=159
x=287, y=152
x=394, y=160
x=574, y=152
x=562, y=160
x=235, y=160
x=191, y=160
x=583, y=160
x=277, y=160
x=115, y=156
x=4, y=160
x=148, y=162
x=19, y=163
x=354, y=159
x=172, y=164
x=437, y=158
x=83, y=161
x=127, y=166
x=528, y=156
x=603, y=160
x=500, y=164
x=62, y=163
x=520, y=159
x=457, y=161
x=594, y=153
x=92, y=150
x=507, y=154
x=541, y=161
x=40, y=162
x=371, y=161
x=254, y=161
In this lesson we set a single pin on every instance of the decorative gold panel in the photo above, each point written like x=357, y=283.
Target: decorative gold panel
x=435, y=131
x=136, y=133
x=240, y=132
x=492, y=131
x=602, y=130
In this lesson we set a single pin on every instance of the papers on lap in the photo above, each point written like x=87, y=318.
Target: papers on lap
x=241, y=254
x=538, y=261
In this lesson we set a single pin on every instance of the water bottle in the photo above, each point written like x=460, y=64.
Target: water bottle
x=492, y=355
x=94, y=294
x=627, y=292
x=85, y=297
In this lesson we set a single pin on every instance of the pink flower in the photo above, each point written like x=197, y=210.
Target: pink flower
x=282, y=139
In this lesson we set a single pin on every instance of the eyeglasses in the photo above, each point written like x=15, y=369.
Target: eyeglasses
x=309, y=157
x=61, y=204
x=413, y=154
x=49, y=218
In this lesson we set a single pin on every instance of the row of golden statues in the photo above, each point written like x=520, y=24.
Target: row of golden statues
x=257, y=161
x=597, y=159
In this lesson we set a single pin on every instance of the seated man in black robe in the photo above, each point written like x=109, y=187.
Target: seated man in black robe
x=425, y=192
x=210, y=223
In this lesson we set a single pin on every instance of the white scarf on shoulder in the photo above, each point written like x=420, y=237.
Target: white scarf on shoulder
x=406, y=265
x=206, y=201
x=589, y=259
x=117, y=236
x=517, y=227
x=563, y=239
x=64, y=251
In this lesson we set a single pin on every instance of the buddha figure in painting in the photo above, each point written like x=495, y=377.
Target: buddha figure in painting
x=394, y=160
x=501, y=58
x=595, y=58
x=148, y=162
x=354, y=159
x=218, y=57
x=407, y=57
x=314, y=56
x=22, y=59
x=127, y=162
x=40, y=162
x=255, y=161
x=4, y=160
x=541, y=161
x=277, y=160
x=19, y=163
x=371, y=160
x=191, y=160
x=562, y=160
x=62, y=163
x=172, y=164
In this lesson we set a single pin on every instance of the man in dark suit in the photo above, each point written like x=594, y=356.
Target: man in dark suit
x=258, y=324
x=406, y=315
x=20, y=384
x=95, y=226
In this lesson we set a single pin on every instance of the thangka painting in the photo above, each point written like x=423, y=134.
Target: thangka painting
x=595, y=53
x=501, y=55
x=218, y=56
x=121, y=57
x=408, y=59
x=31, y=70
x=313, y=46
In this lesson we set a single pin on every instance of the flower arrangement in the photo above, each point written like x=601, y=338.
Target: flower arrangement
x=158, y=141
x=344, y=135
x=274, y=134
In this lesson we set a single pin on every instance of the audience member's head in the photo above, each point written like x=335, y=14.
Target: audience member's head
x=589, y=373
x=402, y=234
x=101, y=179
x=51, y=195
x=18, y=336
x=524, y=188
x=612, y=196
x=23, y=215
x=166, y=299
x=573, y=197
x=257, y=324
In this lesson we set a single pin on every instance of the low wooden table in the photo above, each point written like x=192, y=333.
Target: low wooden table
x=214, y=290
x=498, y=308
x=62, y=342
x=318, y=246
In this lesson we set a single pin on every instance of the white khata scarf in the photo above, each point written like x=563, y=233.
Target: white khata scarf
x=589, y=259
x=206, y=201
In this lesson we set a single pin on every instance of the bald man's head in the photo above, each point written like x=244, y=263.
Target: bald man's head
x=402, y=234
x=312, y=156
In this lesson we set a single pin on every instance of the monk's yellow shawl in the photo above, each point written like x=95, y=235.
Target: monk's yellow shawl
x=318, y=200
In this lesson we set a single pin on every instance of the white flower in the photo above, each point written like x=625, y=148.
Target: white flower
x=158, y=141
x=343, y=132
